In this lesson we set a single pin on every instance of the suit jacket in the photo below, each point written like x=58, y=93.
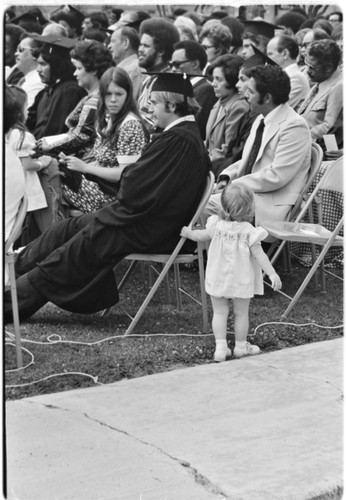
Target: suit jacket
x=324, y=113
x=282, y=164
x=136, y=74
x=205, y=96
x=224, y=122
x=300, y=86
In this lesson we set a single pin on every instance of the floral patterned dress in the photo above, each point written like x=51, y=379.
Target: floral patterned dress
x=128, y=143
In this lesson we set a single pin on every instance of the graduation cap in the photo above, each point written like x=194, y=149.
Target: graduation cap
x=258, y=59
x=76, y=13
x=261, y=28
x=32, y=16
x=60, y=45
x=179, y=83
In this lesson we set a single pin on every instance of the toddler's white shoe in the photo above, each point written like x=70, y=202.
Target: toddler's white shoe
x=222, y=354
x=250, y=350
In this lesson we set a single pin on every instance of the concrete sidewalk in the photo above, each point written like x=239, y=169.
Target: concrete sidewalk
x=262, y=428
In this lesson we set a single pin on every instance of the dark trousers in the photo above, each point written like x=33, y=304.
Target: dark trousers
x=29, y=298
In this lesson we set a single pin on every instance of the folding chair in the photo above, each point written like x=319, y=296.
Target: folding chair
x=174, y=259
x=315, y=165
x=315, y=234
x=9, y=261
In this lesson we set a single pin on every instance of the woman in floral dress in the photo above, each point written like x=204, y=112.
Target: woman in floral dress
x=121, y=138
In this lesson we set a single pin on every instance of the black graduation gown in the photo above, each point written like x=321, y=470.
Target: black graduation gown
x=72, y=263
x=51, y=107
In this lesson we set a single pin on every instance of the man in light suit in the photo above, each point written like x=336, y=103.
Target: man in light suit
x=323, y=107
x=124, y=45
x=284, y=50
x=281, y=166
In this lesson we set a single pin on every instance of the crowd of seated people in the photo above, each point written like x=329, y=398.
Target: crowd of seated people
x=89, y=78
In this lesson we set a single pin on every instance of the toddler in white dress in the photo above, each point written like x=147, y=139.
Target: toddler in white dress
x=23, y=143
x=234, y=267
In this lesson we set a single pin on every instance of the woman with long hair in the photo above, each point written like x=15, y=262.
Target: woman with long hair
x=90, y=60
x=121, y=137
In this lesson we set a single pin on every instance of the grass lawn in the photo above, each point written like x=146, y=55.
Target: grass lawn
x=92, y=347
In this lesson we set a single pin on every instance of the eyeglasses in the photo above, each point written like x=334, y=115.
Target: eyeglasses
x=177, y=64
x=314, y=68
x=206, y=47
x=305, y=45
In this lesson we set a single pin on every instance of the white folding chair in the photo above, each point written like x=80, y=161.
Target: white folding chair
x=174, y=259
x=9, y=262
x=315, y=234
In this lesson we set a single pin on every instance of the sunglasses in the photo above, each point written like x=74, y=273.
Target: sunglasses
x=314, y=68
x=177, y=64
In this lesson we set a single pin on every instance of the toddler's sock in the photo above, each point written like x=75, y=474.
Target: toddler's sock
x=240, y=344
x=221, y=344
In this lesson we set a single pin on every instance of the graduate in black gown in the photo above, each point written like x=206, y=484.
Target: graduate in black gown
x=61, y=94
x=71, y=264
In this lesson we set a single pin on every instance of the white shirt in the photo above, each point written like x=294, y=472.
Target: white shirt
x=32, y=85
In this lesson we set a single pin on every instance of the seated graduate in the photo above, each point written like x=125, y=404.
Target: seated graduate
x=72, y=263
x=61, y=93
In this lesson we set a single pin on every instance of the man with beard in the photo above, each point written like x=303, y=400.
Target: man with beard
x=157, y=39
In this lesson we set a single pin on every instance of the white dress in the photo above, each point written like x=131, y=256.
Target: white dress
x=231, y=270
x=14, y=191
x=33, y=187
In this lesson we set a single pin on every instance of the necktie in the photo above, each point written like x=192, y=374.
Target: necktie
x=309, y=99
x=255, y=148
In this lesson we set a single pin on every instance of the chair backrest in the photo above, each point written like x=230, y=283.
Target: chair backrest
x=315, y=165
x=205, y=198
x=17, y=226
x=333, y=179
x=324, y=181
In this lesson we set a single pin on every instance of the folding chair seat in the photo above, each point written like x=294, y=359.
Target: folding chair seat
x=9, y=263
x=174, y=259
x=314, y=234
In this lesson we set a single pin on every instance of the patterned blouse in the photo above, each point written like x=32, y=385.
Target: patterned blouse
x=129, y=142
x=81, y=123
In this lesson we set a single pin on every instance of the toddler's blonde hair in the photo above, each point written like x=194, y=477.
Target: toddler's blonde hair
x=237, y=203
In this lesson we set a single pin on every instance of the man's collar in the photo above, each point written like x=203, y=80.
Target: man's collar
x=187, y=118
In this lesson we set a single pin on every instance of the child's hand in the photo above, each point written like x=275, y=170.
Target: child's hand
x=276, y=281
x=43, y=144
x=185, y=232
x=45, y=160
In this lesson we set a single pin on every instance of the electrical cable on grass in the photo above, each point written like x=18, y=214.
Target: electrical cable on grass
x=95, y=379
x=50, y=338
